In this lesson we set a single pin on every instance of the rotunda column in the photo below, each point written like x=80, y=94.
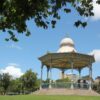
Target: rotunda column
x=48, y=72
x=72, y=81
x=90, y=77
x=41, y=76
x=79, y=70
x=50, y=80
x=50, y=75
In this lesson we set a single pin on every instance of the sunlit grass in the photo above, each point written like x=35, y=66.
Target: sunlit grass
x=44, y=97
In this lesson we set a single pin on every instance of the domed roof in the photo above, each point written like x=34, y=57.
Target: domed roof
x=66, y=45
x=67, y=41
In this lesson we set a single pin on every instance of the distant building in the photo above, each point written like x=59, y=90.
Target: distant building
x=97, y=80
x=70, y=76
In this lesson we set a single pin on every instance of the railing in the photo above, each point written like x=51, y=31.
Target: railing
x=66, y=85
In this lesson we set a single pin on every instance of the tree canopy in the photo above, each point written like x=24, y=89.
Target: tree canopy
x=15, y=13
x=26, y=83
x=4, y=82
x=29, y=81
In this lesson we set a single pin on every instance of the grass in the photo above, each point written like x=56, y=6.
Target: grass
x=44, y=97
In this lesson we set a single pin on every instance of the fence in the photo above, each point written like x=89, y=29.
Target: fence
x=66, y=85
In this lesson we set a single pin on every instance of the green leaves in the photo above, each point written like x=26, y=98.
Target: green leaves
x=15, y=13
x=4, y=82
x=84, y=24
x=29, y=80
x=28, y=33
x=67, y=10
x=12, y=37
x=98, y=1
x=80, y=23
x=53, y=22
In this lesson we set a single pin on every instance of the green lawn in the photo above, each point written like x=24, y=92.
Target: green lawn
x=42, y=97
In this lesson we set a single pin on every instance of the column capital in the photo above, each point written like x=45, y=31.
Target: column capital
x=48, y=68
x=62, y=73
x=79, y=69
x=42, y=65
x=62, y=69
x=90, y=65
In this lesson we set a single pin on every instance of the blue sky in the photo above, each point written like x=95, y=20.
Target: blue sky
x=24, y=54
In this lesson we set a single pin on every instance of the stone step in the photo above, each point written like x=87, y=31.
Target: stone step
x=66, y=92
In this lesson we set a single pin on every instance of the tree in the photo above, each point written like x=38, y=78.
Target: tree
x=64, y=80
x=15, y=86
x=4, y=82
x=29, y=81
x=1, y=88
x=15, y=13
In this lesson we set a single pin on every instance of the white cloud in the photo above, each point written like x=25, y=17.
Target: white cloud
x=13, y=70
x=96, y=10
x=13, y=46
x=13, y=64
x=96, y=54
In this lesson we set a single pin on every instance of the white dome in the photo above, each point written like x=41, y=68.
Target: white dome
x=66, y=45
x=66, y=49
x=67, y=41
